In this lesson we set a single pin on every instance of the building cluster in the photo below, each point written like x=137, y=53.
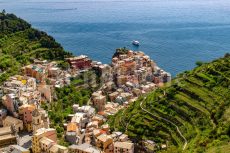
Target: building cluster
x=88, y=132
x=79, y=62
x=17, y=91
x=45, y=140
x=15, y=149
x=21, y=97
x=135, y=69
x=129, y=76
x=8, y=136
x=47, y=73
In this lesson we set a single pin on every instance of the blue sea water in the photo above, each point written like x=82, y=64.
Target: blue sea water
x=175, y=33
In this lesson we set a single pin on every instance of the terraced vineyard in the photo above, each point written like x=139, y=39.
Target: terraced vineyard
x=20, y=44
x=197, y=102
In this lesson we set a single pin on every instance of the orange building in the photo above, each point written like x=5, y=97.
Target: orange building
x=25, y=113
x=105, y=142
x=38, y=72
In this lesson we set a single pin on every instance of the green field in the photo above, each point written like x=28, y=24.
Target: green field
x=197, y=101
x=20, y=44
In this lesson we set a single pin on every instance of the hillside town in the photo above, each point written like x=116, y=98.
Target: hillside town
x=25, y=124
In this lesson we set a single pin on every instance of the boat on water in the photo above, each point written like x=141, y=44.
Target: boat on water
x=136, y=43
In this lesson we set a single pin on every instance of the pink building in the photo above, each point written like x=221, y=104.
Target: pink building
x=80, y=62
x=46, y=92
x=99, y=102
x=38, y=72
x=3, y=113
x=10, y=101
x=25, y=112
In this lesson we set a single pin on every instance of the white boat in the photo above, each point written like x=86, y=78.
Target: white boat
x=136, y=43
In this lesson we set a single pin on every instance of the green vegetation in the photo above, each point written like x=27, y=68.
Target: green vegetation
x=120, y=51
x=197, y=101
x=20, y=44
x=78, y=92
x=60, y=109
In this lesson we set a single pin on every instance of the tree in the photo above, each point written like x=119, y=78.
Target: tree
x=227, y=55
x=64, y=65
x=199, y=63
x=3, y=11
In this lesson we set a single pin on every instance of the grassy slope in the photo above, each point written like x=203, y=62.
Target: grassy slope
x=198, y=101
x=20, y=43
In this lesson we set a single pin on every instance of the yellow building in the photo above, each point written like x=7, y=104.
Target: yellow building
x=41, y=133
x=58, y=149
x=37, y=122
x=46, y=144
x=105, y=142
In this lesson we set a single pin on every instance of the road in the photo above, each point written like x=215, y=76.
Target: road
x=178, y=130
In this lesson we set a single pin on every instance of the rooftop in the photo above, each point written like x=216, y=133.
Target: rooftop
x=43, y=130
x=13, y=120
x=56, y=148
x=104, y=137
x=125, y=145
x=85, y=147
x=5, y=130
x=18, y=148
x=77, y=57
x=46, y=141
x=71, y=127
x=8, y=136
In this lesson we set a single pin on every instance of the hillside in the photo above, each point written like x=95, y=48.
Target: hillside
x=192, y=113
x=20, y=44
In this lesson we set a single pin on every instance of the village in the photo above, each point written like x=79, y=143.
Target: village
x=130, y=75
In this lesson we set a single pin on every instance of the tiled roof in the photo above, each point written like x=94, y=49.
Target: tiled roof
x=125, y=145
x=71, y=127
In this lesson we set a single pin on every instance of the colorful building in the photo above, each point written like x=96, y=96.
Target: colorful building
x=25, y=113
x=79, y=62
x=58, y=149
x=7, y=136
x=41, y=133
x=83, y=148
x=11, y=102
x=124, y=147
x=105, y=142
x=11, y=121
x=38, y=71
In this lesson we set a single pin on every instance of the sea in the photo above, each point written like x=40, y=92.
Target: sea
x=174, y=33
